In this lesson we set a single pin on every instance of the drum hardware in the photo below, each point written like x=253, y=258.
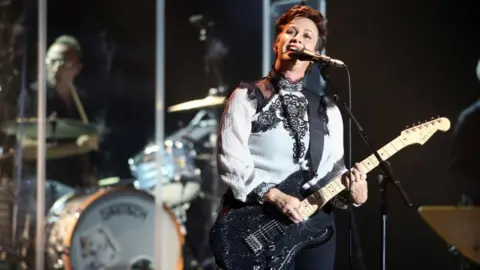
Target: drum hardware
x=25, y=214
x=204, y=157
x=12, y=259
x=14, y=253
x=142, y=264
x=180, y=211
x=201, y=132
x=115, y=181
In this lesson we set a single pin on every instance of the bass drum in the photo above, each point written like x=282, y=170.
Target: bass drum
x=112, y=228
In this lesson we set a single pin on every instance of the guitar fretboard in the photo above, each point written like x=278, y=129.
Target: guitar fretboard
x=319, y=198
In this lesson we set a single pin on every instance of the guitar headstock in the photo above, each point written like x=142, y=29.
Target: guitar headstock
x=422, y=132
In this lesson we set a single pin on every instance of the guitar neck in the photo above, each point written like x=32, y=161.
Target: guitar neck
x=320, y=197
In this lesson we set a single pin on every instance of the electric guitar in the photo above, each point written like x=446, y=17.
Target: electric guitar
x=259, y=236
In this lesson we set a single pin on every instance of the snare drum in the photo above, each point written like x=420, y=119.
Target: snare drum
x=112, y=228
x=181, y=178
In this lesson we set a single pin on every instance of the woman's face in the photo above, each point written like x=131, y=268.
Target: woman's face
x=298, y=34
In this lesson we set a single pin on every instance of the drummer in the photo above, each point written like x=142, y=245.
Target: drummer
x=68, y=161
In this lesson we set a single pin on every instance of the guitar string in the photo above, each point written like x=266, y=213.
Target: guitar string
x=270, y=225
x=267, y=227
x=273, y=223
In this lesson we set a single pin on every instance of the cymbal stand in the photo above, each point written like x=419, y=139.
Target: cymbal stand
x=215, y=48
x=214, y=55
x=215, y=179
x=23, y=244
x=212, y=198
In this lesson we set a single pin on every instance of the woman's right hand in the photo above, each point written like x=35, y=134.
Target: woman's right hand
x=289, y=205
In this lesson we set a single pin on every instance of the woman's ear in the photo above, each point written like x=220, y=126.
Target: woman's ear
x=275, y=45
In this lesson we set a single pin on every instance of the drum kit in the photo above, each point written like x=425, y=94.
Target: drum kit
x=111, y=226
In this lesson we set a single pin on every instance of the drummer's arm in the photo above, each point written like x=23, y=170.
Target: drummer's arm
x=83, y=144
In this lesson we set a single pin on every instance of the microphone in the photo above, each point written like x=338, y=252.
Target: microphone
x=306, y=55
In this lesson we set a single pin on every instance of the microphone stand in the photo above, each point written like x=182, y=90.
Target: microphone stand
x=384, y=178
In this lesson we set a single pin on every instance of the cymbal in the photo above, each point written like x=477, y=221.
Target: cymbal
x=203, y=157
x=209, y=101
x=60, y=128
x=458, y=226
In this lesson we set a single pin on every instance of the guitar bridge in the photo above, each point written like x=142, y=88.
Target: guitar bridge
x=254, y=244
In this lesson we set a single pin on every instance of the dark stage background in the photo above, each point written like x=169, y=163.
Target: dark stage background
x=410, y=61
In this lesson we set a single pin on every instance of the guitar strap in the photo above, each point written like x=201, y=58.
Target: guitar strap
x=317, y=130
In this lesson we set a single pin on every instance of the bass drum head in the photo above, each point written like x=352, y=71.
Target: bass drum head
x=115, y=230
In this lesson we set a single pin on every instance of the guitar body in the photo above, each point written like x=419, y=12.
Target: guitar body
x=259, y=236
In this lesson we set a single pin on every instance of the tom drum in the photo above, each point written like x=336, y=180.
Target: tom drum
x=181, y=177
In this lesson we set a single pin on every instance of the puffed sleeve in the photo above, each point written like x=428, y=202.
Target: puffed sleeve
x=235, y=163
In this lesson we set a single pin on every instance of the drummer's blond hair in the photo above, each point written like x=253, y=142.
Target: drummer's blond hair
x=71, y=42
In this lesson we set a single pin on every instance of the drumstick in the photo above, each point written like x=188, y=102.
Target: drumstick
x=79, y=105
x=25, y=236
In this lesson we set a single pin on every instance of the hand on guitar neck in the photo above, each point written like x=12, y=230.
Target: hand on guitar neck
x=289, y=205
x=356, y=181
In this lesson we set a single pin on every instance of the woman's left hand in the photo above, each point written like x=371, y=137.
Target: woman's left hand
x=356, y=179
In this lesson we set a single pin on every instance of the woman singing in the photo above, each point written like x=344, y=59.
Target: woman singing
x=267, y=134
